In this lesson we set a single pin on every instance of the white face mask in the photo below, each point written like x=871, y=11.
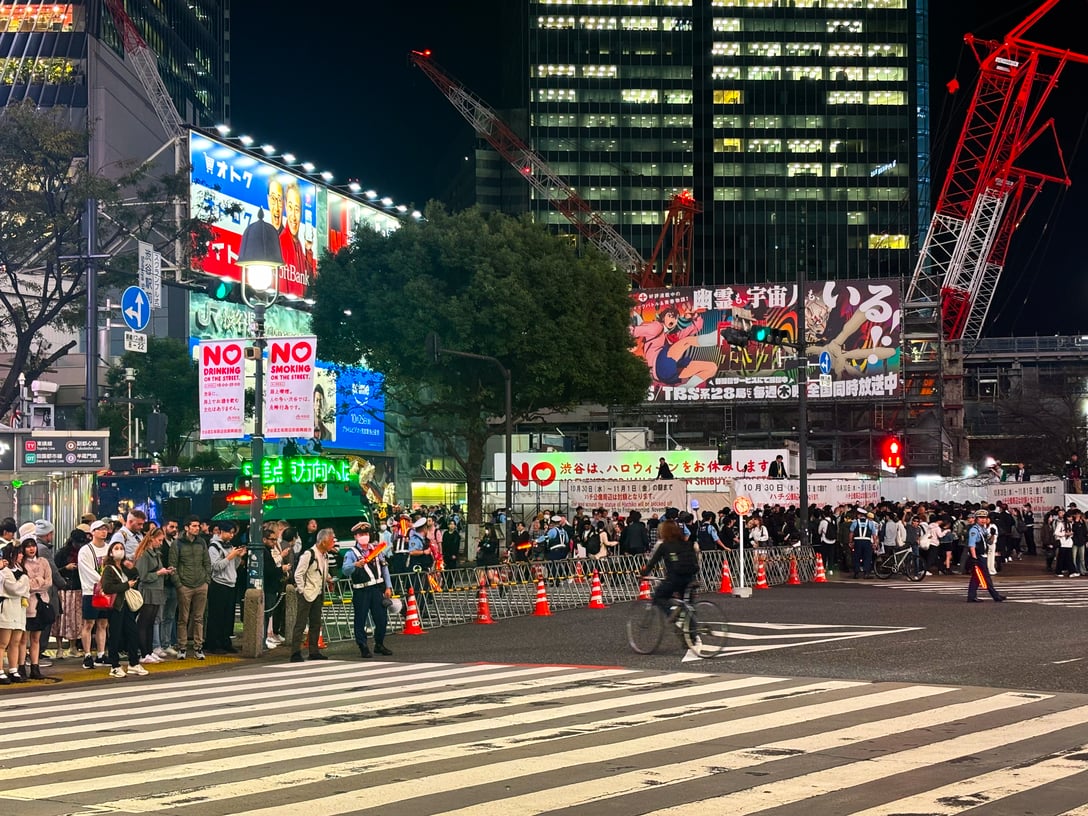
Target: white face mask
x=365, y=538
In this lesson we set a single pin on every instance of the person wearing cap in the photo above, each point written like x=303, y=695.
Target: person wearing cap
x=311, y=577
x=420, y=560
x=92, y=556
x=44, y=534
x=366, y=567
x=977, y=545
x=15, y=590
x=862, y=532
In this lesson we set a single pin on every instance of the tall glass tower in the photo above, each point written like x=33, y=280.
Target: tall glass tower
x=801, y=127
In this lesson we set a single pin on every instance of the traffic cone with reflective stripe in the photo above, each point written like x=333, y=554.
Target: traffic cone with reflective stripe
x=726, y=586
x=596, y=594
x=821, y=576
x=644, y=591
x=761, y=577
x=579, y=576
x=483, y=608
x=542, y=609
x=795, y=578
x=412, y=625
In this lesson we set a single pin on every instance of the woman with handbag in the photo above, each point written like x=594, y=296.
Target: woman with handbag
x=39, y=613
x=152, y=579
x=117, y=580
x=14, y=599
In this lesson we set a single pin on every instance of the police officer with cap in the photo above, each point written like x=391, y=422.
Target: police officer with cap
x=977, y=545
x=365, y=565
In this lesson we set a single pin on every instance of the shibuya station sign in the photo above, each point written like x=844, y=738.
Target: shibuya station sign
x=853, y=339
x=543, y=469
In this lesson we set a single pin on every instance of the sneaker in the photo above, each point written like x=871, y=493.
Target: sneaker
x=160, y=653
x=151, y=658
x=297, y=657
x=117, y=672
x=100, y=660
x=199, y=654
x=379, y=648
x=137, y=669
x=173, y=652
x=50, y=653
x=75, y=652
x=44, y=663
x=181, y=655
x=1074, y=575
x=277, y=638
x=88, y=662
x=270, y=644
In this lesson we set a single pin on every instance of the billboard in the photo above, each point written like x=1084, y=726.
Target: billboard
x=853, y=334
x=542, y=469
x=345, y=215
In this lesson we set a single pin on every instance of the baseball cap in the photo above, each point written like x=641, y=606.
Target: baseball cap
x=419, y=522
x=95, y=525
x=84, y=527
x=43, y=527
x=557, y=518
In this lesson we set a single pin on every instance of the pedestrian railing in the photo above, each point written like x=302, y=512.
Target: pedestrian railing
x=451, y=597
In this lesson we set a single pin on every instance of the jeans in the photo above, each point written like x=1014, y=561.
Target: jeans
x=307, y=612
x=167, y=620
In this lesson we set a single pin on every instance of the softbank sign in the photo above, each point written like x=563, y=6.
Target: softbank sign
x=222, y=388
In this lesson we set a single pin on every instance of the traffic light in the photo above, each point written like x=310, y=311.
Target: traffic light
x=769, y=335
x=891, y=453
x=156, y=432
x=224, y=290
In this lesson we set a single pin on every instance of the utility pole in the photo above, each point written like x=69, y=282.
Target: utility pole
x=90, y=405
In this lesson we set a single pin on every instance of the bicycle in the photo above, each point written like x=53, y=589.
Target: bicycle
x=901, y=560
x=701, y=624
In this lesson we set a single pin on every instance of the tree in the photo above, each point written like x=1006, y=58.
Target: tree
x=44, y=188
x=165, y=376
x=490, y=285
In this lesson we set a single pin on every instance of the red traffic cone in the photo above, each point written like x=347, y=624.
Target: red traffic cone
x=726, y=586
x=761, y=577
x=821, y=576
x=542, y=609
x=795, y=578
x=412, y=625
x=644, y=591
x=483, y=609
x=596, y=594
x=320, y=641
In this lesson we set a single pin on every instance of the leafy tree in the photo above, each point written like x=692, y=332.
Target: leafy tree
x=488, y=285
x=165, y=376
x=44, y=187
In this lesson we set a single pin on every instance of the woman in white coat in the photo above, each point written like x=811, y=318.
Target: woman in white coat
x=14, y=599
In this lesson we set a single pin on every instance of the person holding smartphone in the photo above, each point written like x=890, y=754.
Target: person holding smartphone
x=225, y=558
x=152, y=575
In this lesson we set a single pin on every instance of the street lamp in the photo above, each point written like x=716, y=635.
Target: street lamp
x=259, y=257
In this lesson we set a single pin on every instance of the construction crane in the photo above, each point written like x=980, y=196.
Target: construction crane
x=987, y=192
x=676, y=266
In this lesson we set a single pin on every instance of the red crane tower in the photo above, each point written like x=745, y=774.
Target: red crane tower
x=675, y=269
x=987, y=192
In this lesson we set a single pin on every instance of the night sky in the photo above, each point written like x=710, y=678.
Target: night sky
x=330, y=82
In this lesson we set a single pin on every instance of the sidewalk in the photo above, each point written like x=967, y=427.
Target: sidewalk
x=1028, y=568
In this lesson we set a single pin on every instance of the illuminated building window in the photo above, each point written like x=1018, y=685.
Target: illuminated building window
x=678, y=97
x=845, y=50
x=43, y=71
x=561, y=23
x=16, y=17
x=728, y=194
x=727, y=24
x=844, y=4
x=845, y=98
x=556, y=95
x=555, y=70
x=844, y=27
x=642, y=120
x=886, y=74
x=764, y=145
x=764, y=72
x=799, y=72
x=804, y=169
x=887, y=98
x=887, y=194
x=805, y=121
x=766, y=193
x=729, y=97
x=886, y=50
x=846, y=73
x=725, y=49
x=887, y=241
x=598, y=23
x=806, y=194
x=600, y=71
x=764, y=122
x=856, y=217
x=886, y=4
x=676, y=24
x=674, y=2
x=556, y=120
x=727, y=145
x=838, y=170
x=726, y=121
x=764, y=49
x=804, y=49
x=638, y=23
x=600, y=120
x=640, y=96
x=805, y=145
x=726, y=72
x=677, y=120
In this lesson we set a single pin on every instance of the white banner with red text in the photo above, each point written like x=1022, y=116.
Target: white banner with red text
x=222, y=388
x=289, y=386
x=623, y=496
x=535, y=470
x=820, y=491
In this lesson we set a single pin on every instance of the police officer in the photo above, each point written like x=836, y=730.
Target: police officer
x=977, y=546
x=366, y=567
x=862, y=532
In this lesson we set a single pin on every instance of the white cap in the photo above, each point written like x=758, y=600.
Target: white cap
x=419, y=522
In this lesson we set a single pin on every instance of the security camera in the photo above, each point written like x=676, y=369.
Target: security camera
x=44, y=387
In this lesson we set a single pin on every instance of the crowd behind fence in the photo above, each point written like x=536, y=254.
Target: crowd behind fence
x=451, y=597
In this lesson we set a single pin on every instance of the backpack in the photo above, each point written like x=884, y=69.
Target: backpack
x=592, y=542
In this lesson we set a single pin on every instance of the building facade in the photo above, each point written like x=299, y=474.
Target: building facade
x=801, y=127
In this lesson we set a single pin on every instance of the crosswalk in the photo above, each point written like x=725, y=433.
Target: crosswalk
x=474, y=740
x=1067, y=592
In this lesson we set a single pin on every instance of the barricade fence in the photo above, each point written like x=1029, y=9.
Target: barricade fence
x=451, y=597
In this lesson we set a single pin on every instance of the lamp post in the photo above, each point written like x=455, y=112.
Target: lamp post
x=259, y=257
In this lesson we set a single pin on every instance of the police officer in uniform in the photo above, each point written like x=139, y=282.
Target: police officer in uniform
x=977, y=546
x=366, y=567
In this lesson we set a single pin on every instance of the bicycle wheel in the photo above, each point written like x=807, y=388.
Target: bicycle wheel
x=645, y=625
x=911, y=570
x=883, y=567
x=707, y=629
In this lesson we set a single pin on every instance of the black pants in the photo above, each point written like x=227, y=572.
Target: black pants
x=674, y=584
x=145, y=625
x=123, y=636
x=368, y=601
x=1029, y=540
x=220, y=626
x=980, y=577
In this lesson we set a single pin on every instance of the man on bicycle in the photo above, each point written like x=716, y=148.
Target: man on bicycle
x=681, y=559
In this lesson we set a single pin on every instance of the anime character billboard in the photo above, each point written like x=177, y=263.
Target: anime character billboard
x=699, y=343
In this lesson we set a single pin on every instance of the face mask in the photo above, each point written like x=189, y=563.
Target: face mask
x=365, y=537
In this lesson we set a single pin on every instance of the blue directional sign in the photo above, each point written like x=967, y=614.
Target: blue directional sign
x=825, y=363
x=136, y=308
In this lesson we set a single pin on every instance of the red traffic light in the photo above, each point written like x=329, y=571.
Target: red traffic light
x=891, y=453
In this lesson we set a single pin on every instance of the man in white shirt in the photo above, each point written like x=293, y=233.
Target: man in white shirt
x=90, y=560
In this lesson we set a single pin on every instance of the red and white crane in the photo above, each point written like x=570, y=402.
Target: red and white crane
x=987, y=191
x=676, y=266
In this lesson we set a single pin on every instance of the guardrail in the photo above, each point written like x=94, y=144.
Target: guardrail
x=449, y=598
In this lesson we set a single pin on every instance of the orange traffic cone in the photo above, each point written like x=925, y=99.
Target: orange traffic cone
x=596, y=594
x=821, y=576
x=761, y=577
x=412, y=625
x=579, y=576
x=795, y=578
x=726, y=586
x=644, y=591
x=542, y=609
x=483, y=609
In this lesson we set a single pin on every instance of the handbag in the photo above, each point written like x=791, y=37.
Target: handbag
x=44, y=614
x=99, y=599
x=134, y=598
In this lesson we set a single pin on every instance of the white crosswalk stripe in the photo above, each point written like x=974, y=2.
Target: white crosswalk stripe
x=1065, y=592
x=482, y=739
